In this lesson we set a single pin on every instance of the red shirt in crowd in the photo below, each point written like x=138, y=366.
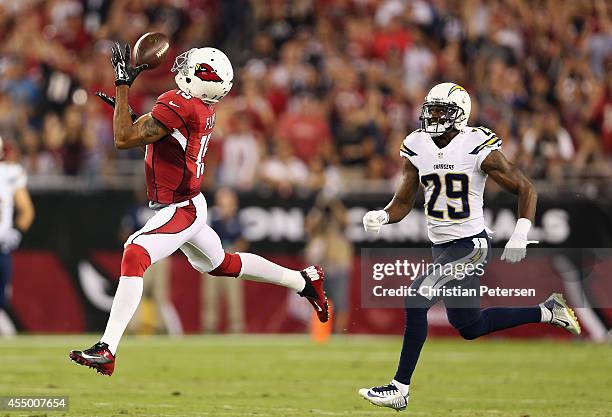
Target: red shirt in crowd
x=306, y=133
x=603, y=117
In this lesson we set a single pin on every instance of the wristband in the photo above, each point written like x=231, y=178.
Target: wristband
x=522, y=227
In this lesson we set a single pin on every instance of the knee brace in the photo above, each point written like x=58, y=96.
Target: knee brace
x=135, y=261
x=230, y=267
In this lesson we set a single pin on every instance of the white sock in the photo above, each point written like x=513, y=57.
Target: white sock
x=256, y=268
x=127, y=298
x=546, y=314
x=403, y=388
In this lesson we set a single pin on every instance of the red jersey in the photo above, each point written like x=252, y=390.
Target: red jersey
x=174, y=165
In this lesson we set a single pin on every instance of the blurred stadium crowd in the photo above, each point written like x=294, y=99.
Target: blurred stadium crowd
x=325, y=90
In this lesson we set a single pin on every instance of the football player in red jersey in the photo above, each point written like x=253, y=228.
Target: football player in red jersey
x=175, y=135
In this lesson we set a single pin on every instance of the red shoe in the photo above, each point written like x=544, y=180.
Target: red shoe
x=98, y=357
x=314, y=291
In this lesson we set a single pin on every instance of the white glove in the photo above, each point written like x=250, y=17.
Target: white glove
x=516, y=248
x=10, y=240
x=374, y=220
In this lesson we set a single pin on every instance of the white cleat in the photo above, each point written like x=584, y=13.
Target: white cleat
x=386, y=396
x=562, y=315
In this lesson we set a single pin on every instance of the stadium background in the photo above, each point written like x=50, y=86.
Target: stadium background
x=324, y=93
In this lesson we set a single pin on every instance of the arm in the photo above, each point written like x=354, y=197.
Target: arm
x=403, y=199
x=513, y=180
x=400, y=205
x=146, y=129
x=24, y=209
x=23, y=220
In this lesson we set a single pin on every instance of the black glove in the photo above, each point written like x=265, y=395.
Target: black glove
x=111, y=102
x=125, y=73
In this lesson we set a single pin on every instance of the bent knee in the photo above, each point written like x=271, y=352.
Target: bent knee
x=229, y=267
x=135, y=261
x=468, y=335
x=470, y=332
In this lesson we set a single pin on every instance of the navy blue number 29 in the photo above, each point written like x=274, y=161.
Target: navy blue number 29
x=456, y=188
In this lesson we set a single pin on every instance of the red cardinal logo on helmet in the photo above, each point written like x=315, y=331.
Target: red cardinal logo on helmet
x=206, y=73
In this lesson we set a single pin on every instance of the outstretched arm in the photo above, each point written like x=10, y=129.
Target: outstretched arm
x=513, y=180
x=400, y=205
x=146, y=129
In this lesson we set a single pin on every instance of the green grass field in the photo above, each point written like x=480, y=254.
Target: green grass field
x=290, y=376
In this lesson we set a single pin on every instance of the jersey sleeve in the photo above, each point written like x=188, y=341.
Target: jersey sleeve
x=488, y=142
x=172, y=110
x=21, y=178
x=407, y=149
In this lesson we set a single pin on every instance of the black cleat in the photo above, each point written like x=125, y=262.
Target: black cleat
x=98, y=357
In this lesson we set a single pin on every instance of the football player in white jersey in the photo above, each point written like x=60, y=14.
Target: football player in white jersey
x=452, y=161
x=16, y=216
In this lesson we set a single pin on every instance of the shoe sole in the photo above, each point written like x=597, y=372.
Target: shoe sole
x=575, y=328
x=77, y=360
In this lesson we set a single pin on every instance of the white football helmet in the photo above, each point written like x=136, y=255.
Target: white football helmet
x=446, y=106
x=205, y=73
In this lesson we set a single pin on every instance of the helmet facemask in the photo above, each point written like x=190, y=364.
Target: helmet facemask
x=181, y=63
x=438, y=118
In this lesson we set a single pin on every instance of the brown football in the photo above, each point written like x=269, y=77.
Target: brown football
x=152, y=49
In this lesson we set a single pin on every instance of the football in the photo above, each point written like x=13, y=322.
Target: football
x=152, y=49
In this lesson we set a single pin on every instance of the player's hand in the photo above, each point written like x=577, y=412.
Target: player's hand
x=374, y=220
x=125, y=73
x=516, y=248
x=10, y=240
x=111, y=102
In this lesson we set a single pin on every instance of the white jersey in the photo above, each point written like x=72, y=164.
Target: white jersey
x=454, y=183
x=12, y=177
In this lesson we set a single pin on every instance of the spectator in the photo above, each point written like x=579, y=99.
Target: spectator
x=602, y=113
x=324, y=176
x=305, y=128
x=240, y=154
x=391, y=37
x=282, y=171
x=36, y=159
x=224, y=220
x=73, y=148
x=328, y=245
x=547, y=147
x=419, y=65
